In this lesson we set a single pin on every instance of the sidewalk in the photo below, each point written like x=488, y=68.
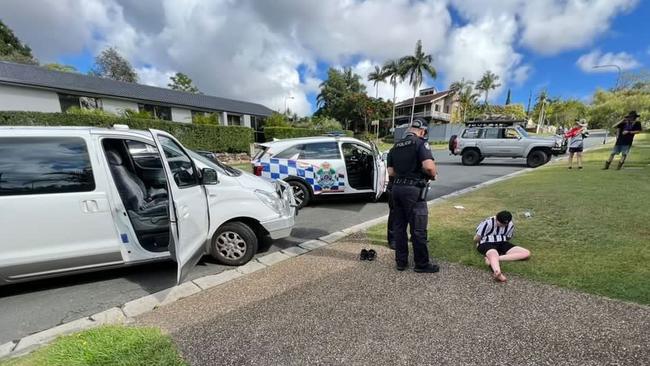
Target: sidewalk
x=327, y=307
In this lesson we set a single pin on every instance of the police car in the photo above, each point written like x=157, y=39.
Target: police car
x=323, y=166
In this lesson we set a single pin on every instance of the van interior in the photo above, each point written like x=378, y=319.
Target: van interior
x=360, y=165
x=138, y=174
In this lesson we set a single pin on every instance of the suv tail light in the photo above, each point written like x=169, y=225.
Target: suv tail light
x=257, y=170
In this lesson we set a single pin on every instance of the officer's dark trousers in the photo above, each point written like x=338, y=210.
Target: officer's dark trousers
x=390, y=232
x=408, y=210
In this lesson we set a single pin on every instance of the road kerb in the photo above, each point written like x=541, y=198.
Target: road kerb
x=209, y=281
x=334, y=237
x=273, y=258
x=312, y=244
x=147, y=303
x=6, y=349
x=111, y=316
x=35, y=340
x=250, y=267
x=294, y=251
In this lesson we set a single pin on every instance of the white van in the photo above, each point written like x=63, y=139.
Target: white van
x=76, y=199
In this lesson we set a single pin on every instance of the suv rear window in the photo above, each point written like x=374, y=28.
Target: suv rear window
x=471, y=133
x=42, y=165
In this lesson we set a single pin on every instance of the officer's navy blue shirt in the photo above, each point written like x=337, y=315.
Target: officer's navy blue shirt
x=407, y=155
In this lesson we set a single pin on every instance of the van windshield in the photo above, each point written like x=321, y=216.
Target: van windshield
x=522, y=131
x=217, y=165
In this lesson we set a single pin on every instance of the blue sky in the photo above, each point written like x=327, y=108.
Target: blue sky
x=266, y=52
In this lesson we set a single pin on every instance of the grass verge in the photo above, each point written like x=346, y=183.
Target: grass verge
x=109, y=345
x=589, y=229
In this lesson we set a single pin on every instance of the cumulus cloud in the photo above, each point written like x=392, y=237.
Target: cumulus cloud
x=624, y=60
x=385, y=90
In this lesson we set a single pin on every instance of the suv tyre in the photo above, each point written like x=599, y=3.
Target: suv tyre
x=537, y=158
x=471, y=157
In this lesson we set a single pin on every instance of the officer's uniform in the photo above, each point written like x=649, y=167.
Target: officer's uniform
x=390, y=230
x=406, y=159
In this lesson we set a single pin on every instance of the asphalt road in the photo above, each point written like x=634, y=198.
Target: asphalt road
x=35, y=306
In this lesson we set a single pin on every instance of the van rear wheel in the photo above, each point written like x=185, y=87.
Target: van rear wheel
x=234, y=244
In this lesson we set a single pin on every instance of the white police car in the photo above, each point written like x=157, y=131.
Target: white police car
x=323, y=166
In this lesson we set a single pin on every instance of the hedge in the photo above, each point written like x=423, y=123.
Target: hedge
x=199, y=137
x=291, y=132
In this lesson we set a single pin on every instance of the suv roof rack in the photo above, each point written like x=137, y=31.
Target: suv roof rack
x=495, y=123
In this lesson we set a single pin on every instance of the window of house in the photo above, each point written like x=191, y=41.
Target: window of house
x=234, y=120
x=437, y=108
x=42, y=165
x=68, y=101
x=157, y=111
x=321, y=150
x=446, y=109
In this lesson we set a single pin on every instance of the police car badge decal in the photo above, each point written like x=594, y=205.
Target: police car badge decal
x=326, y=177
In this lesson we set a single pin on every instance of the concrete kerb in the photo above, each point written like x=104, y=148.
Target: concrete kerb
x=131, y=309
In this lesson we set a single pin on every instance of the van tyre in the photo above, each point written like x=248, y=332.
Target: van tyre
x=537, y=158
x=234, y=244
x=471, y=157
x=301, y=193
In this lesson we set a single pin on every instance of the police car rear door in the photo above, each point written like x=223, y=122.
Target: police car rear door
x=380, y=173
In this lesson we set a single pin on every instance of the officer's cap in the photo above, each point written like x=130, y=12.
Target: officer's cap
x=420, y=123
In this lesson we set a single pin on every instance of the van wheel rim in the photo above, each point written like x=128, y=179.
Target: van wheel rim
x=298, y=194
x=231, y=245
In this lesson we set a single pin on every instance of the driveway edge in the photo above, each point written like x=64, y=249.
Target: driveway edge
x=128, y=311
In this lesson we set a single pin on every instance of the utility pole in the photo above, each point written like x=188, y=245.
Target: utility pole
x=618, y=78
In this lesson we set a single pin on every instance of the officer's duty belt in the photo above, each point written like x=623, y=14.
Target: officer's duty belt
x=410, y=182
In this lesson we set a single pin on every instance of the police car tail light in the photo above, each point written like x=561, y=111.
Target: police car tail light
x=257, y=170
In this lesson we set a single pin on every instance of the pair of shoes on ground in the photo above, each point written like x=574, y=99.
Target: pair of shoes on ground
x=367, y=255
x=428, y=268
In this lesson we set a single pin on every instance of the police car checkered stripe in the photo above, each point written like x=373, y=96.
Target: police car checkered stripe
x=283, y=168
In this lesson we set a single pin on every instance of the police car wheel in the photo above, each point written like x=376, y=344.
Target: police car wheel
x=233, y=244
x=300, y=193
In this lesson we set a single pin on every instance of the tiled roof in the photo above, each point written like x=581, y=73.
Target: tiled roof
x=423, y=99
x=31, y=75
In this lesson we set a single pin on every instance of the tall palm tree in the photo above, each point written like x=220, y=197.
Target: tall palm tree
x=488, y=82
x=467, y=97
x=458, y=86
x=416, y=67
x=377, y=77
x=391, y=70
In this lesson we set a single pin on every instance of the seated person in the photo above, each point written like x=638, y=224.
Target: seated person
x=492, y=239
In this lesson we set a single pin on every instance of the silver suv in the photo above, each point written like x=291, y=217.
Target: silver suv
x=499, y=139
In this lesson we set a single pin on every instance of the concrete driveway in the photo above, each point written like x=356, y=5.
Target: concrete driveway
x=327, y=307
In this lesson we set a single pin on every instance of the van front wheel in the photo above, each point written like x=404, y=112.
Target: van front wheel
x=233, y=244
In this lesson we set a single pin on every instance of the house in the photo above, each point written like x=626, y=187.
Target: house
x=434, y=106
x=33, y=88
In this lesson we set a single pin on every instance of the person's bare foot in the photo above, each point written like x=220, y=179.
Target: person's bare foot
x=499, y=277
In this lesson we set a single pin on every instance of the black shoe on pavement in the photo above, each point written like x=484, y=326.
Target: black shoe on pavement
x=401, y=266
x=429, y=268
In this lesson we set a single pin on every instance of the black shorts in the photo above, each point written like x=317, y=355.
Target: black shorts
x=575, y=149
x=502, y=247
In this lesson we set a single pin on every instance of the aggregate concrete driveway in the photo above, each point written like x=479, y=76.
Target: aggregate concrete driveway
x=32, y=307
x=327, y=307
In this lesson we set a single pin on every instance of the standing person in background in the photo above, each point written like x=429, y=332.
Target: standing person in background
x=626, y=129
x=576, y=136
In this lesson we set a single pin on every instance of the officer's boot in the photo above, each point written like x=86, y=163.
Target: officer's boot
x=607, y=165
x=620, y=165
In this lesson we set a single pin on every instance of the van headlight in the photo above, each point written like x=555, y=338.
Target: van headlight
x=270, y=199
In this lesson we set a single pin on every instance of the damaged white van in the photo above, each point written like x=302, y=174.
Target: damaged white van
x=75, y=199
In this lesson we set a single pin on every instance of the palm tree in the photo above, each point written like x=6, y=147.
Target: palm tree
x=391, y=70
x=416, y=67
x=467, y=97
x=377, y=77
x=488, y=82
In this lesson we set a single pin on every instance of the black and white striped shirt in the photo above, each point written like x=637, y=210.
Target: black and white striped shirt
x=490, y=232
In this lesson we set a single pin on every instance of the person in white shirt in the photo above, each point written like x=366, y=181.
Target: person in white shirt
x=492, y=239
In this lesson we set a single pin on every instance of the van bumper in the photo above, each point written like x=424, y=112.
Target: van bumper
x=281, y=227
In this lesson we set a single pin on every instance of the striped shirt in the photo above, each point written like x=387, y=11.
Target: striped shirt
x=490, y=232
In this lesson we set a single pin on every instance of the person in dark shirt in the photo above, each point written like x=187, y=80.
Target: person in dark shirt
x=411, y=164
x=626, y=129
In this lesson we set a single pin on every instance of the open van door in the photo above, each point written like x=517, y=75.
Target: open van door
x=379, y=171
x=188, y=213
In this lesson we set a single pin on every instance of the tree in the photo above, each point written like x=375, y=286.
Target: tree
x=12, y=49
x=182, y=82
x=111, y=65
x=326, y=123
x=391, y=70
x=338, y=95
x=508, y=101
x=488, y=82
x=60, y=67
x=609, y=107
x=277, y=120
x=467, y=98
x=565, y=112
x=377, y=77
x=417, y=66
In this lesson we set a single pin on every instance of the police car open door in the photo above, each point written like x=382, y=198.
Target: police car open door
x=188, y=211
x=379, y=172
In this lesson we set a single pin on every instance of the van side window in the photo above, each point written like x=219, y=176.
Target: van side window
x=321, y=150
x=43, y=165
x=179, y=163
x=471, y=133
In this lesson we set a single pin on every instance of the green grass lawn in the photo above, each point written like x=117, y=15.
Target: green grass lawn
x=590, y=229
x=110, y=345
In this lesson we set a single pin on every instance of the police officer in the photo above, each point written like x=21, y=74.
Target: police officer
x=390, y=231
x=411, y=164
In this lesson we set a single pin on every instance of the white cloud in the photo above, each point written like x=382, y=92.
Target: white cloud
x=154, y=77
x=624, y=60
x=403, y=90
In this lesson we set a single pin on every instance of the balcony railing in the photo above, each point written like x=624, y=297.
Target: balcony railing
x=440, y=116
